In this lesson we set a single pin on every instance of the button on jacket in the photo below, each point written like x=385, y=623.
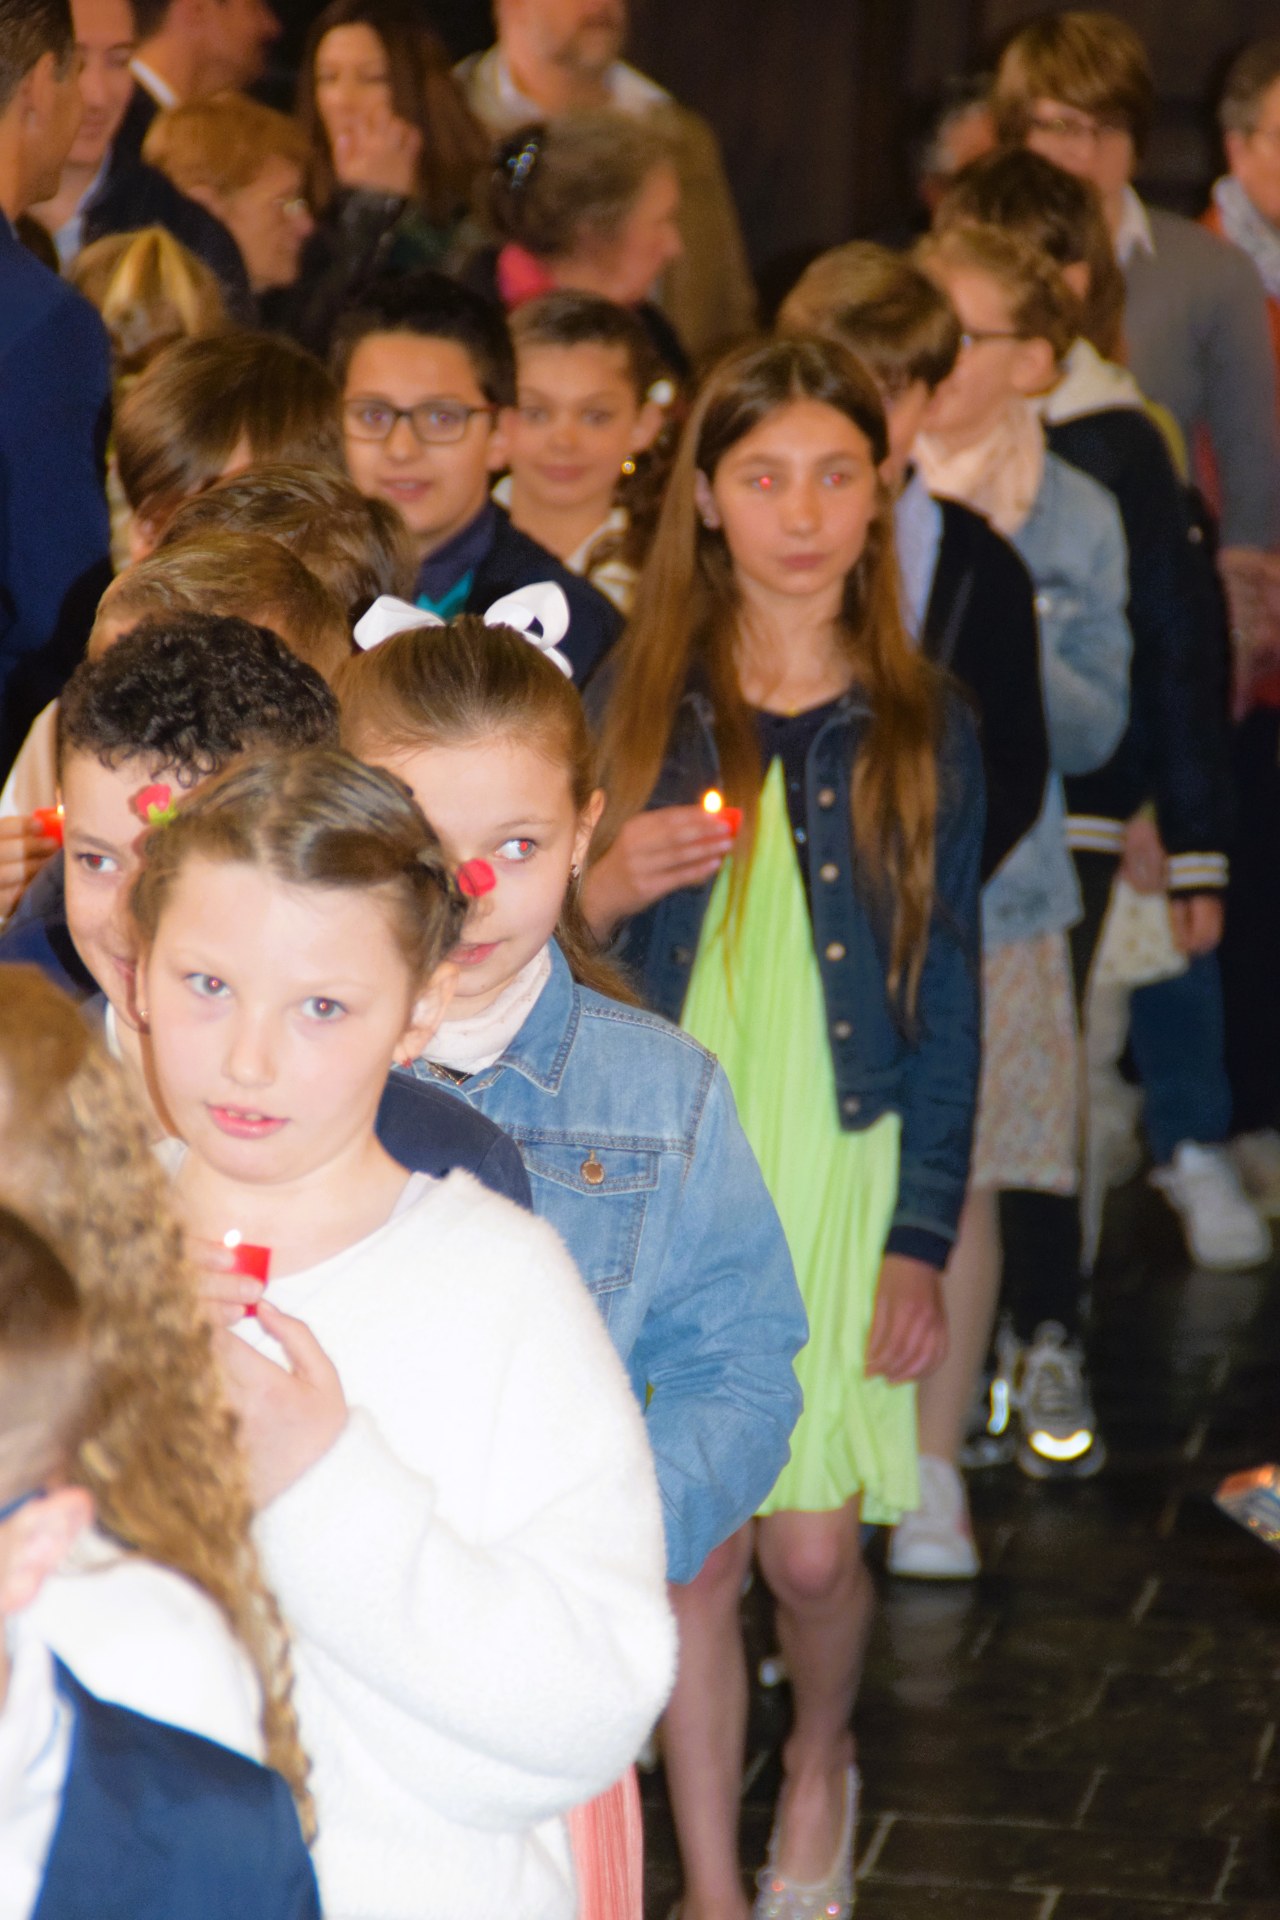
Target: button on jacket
x=929, y=1079
x=636, y=1156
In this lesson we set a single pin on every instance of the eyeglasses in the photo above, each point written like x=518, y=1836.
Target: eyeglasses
x=435, y=423
x=1077, y=130
x=24, y=1499
x=977, y=335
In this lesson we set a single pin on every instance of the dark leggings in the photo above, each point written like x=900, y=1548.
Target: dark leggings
x=1040, y=1232
x=1250, y=951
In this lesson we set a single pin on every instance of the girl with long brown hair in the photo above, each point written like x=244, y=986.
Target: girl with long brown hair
x=159, y=1452
x=822, y=940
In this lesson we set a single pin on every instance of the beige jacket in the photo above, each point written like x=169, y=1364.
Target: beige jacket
x=708, y=292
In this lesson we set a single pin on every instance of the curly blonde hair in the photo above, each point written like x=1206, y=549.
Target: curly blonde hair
x=161, y=1451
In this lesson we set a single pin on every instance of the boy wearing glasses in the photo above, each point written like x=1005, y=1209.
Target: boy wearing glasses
x=1077, y=88
x=427, y=371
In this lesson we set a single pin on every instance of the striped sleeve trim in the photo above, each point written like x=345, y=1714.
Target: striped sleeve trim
x=1090, y=833
x=1197, y=872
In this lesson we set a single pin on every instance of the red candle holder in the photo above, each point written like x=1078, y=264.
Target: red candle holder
x=252, y=1261
x=713, y=804
x=49, y=821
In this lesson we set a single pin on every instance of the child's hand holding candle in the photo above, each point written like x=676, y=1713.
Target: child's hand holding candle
x=252, y=1261
x=713, y=802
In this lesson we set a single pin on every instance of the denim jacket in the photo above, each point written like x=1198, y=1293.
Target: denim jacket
x=1072, y=543
x=929, y=1077
x=636, y=1157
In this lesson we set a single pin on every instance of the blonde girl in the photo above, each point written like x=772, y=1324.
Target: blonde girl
x=456, y=1500
x=827, y=954
x=160, y=1454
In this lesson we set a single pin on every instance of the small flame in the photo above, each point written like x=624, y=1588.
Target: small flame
x=712, y=801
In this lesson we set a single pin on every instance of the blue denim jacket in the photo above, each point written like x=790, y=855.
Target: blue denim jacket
x=930, y=1078
x=1073, y=545
x=636, y=1157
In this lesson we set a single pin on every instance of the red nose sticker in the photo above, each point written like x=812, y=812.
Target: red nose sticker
x=476, y=877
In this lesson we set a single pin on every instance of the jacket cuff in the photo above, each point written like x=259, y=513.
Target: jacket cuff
x=1196, y=872
x=919, y=1243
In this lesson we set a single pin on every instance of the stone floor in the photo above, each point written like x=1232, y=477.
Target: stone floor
x=1089, y=1731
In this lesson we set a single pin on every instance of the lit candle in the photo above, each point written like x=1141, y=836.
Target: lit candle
x=253, y=1262
x=713, y=803
x=49, y=821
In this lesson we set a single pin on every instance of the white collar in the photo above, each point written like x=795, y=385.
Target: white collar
x=1089, y=384
x=630, y=91
x=1133, y=234
x=151, y=82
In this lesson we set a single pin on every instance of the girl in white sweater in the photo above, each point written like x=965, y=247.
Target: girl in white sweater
x=457, y=1504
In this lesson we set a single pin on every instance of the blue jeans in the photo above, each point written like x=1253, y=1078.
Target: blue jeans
x=1177, y=1040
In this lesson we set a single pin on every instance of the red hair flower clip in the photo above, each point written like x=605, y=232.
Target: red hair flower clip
x=475, y=877
x=156, y=805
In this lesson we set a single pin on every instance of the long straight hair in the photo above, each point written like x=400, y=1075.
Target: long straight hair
x=467, y=684
x=684, y=626
x=455, y=148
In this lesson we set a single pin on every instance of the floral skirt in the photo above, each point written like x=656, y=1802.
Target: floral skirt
x=1028, y=1125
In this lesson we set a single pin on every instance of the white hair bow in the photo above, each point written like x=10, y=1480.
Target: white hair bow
x=539, y=611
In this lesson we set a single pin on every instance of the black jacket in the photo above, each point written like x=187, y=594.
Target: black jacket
x=980, y=625
x=514, y=560
x=1175, y=748
x=132, y=131
x=135, y=195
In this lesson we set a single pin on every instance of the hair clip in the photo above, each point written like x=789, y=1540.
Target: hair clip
x=539, y=611
x=518, y=157
x=156, y=805
x=475, y=878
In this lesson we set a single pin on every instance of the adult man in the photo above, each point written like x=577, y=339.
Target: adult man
x=106, y=190
x=558, y=56
x=54, y=388
x=188, y=49
x=1246, y=200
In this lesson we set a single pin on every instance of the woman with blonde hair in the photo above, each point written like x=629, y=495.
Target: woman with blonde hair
x=150, y=290
x=166, y=1610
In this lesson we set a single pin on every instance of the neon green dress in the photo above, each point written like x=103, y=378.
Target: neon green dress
x=756, y=1001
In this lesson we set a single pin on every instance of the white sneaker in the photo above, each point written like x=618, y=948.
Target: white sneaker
x=1257, y=1161
x=1223, y=1229
x=1060, y=1438
x=936, y=1541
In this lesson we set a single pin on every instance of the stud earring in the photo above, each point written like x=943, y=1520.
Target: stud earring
x=628, y=466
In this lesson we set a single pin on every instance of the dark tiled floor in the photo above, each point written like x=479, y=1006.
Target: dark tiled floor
x=1090, y=1731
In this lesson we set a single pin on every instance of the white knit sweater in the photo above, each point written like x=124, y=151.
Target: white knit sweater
x=474, y=1574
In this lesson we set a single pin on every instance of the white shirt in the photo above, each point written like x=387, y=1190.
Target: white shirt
x=141, y=1636
x=1133, y=234
x=150, y=82
x=35, y=1752
x=630, y=91
x=70, y=235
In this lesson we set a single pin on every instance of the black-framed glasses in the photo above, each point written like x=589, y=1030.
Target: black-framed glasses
x=24, y=1499
x=435, y=423
x=975, y=336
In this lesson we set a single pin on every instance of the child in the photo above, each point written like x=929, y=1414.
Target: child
x=588, y=402
x=101, y=1809
x=162, y=1607
x=358, y=547
x=983, y=443
x=161, y=710
x=831, y=962
x=456, y=1503
x=244, y=575
x=628, y=1129
x=970, y=600
x=209, y=407
x=428, y=380
x=1173, y=753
